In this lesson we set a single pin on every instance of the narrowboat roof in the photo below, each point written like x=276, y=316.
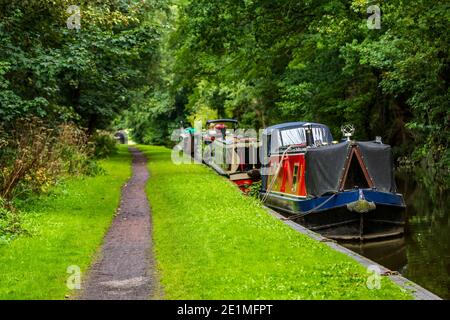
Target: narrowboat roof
x=288, y=125
x=293, y=133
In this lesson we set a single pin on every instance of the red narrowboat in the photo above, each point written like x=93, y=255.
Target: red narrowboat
x=342, y=190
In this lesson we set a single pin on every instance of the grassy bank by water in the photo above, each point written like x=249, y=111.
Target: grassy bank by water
x=211, y=242
x=67, y=228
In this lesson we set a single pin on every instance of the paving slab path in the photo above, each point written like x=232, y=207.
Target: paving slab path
x=125, y=267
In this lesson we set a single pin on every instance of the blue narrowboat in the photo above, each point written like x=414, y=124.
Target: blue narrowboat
x=345, y=190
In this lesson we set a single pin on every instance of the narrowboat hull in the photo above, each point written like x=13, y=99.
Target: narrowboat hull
x=336, y=219
x=241, y=179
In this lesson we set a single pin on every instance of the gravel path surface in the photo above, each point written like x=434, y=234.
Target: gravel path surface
x=125, y=269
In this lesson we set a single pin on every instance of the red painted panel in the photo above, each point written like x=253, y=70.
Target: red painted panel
x=244, y=184
x=285, y=180
x=285, y=171
x=301, y=178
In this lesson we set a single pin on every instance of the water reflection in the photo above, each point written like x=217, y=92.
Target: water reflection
x=423, y=254
x=389, y=253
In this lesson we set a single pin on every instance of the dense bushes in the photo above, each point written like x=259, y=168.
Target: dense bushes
x=87, y=76
x=34, y=156
x=104, y=144
x=10, y=223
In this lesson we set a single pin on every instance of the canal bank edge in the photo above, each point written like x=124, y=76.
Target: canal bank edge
x=417, y=291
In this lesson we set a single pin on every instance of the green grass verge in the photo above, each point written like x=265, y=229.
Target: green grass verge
x=211, y=242
x=67, y=227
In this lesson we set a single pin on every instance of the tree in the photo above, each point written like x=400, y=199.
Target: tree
x=87, y=75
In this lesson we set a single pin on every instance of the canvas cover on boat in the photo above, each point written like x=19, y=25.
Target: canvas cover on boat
x=325, y=167
x=380, y=164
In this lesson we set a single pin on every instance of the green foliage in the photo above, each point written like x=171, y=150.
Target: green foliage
x=10, y=223
x=255, y=189
x=265, y=62
x=154, y=64
x=87, y=76
x=104, y=143
x=149, y=118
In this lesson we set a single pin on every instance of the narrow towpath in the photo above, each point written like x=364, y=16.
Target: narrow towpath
x=125, y=268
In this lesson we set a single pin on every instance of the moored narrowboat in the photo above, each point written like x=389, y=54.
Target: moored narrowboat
x=343, y=190
x=230, y=154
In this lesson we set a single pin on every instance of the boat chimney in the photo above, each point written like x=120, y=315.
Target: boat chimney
x=309, y=136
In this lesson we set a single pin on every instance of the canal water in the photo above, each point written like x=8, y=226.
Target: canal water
x=423, y=254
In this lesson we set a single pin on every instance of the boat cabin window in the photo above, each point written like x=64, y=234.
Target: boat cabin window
x=295, y=178
x=293, y=136
x=297, y=136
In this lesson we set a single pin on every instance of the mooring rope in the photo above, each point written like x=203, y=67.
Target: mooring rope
x=300, y=215
x=275, y=176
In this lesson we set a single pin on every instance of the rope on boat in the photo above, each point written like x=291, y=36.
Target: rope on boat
x=275, y=176
x=300, y=215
